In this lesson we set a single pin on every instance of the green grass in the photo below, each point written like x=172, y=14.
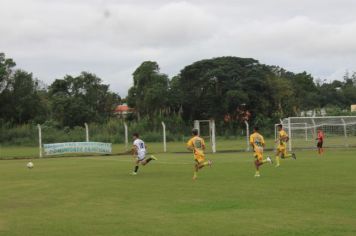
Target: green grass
x=97, y=196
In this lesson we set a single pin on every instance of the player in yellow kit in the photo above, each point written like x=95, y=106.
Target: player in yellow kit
x=197, y=145
x=258, y=143
x=282, y=146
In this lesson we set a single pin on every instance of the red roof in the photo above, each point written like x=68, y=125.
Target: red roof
x=123, y=108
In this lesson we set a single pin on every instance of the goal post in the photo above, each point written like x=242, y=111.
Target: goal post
x=339, y=131
x=247, y=136
x=211, y=134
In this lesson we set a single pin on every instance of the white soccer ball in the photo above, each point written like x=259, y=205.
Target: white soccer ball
x=29, y=165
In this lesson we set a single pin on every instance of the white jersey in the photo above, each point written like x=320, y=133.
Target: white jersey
x=141, y=148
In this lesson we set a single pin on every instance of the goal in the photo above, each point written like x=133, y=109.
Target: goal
x=206, y=129
x=339, y=131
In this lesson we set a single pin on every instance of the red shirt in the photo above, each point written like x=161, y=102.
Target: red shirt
x=320, y=136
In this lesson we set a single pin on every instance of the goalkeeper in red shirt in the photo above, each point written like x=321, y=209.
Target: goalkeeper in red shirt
x=320, y=138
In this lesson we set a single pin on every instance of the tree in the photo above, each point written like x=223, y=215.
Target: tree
x=25, y=101
x=216, y=87
x=281, y=91
x=149, y=93
x=20, y=101
x=76, y=100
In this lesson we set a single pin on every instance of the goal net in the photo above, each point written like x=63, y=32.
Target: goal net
x=339, y=131
x=206, y=129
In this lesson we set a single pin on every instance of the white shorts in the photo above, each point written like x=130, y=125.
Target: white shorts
x=141, y=156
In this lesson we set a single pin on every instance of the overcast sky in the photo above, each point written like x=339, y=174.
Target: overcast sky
x=113, y=37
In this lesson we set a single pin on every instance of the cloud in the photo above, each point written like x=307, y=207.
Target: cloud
x=111, y=38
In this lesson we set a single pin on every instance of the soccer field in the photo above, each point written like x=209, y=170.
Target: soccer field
x=96, y=196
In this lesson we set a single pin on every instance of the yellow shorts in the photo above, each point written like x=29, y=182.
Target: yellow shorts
x=199, y=158
x=258, y=156
x=282, y=149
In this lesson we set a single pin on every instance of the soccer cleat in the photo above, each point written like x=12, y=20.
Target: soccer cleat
x=154, y=158
x=269, y=160
x=257, y=175
x=278, y=165
x=134, y=173
x=294, y=156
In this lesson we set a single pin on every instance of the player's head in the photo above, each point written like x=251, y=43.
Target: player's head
x=320, y=129
x=195, y=132
x=135, y=135
x=280, y=127
x=256, y=129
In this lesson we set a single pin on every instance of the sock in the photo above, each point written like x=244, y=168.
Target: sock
x=264, y=161
x=277, y=160
x=257, y=172
x=136, y=169
x=195, y=174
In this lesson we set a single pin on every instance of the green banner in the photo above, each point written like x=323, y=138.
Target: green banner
x=76, y=147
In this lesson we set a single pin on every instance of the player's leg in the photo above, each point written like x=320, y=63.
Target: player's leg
x=320, y=148
x=137, y=162
x=260, y=161
x=146, y=161
x=203, y=162
x=286, y=155
x=278, y=154
x=196, y=169
x=200, y=163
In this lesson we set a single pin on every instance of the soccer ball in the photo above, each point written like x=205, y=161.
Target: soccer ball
x=29, y=165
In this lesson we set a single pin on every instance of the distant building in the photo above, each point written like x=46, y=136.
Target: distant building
x=312, y=113
x=121, y=111
x=353, y=108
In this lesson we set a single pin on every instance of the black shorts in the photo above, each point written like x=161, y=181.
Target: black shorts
x=320, y=144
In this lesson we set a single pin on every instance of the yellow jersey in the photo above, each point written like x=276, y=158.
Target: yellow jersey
x=197, y=144
x=257, y=141
x=283, y=136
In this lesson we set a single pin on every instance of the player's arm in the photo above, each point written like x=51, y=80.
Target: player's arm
x=203, y=146
x=280, y=138
x=134, y=150
x=263, y=142
x=190, y=146
x=283, y=138
x=252, y=143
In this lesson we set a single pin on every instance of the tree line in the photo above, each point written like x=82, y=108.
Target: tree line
x=217, y=88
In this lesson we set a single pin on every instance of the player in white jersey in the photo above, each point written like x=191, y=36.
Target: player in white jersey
x=139, y=152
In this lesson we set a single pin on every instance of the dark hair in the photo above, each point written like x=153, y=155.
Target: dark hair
x=256, y=128
x=136, y=135
x=279, y=125
x=195, y=131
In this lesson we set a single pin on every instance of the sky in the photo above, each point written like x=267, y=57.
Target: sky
x=111, y=38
